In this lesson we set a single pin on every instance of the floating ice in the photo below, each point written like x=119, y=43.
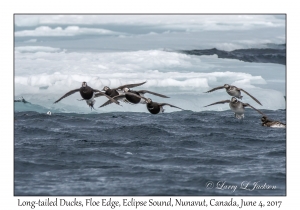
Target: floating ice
x=182, y=77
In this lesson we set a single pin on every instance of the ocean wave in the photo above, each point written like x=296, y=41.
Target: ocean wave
x=149, y=146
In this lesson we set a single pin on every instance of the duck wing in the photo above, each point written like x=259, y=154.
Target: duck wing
x=98, y=94
x=250, y=95
x=246, y=104
x=130, y=85
x=133, y=94
x=163, y=104
x=219, y=102
x=116, y=98
x=110, y=98
x=216, y=88
x=157, y=94
x=67, y=94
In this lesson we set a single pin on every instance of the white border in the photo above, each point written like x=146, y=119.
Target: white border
x=8, y=201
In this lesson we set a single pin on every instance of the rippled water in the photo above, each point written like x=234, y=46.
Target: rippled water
x=131, y=153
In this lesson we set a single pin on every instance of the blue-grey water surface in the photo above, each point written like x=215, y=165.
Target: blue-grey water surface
x=131, y=153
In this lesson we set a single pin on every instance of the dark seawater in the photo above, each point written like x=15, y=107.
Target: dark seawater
x=131, y=153
x=268, y=55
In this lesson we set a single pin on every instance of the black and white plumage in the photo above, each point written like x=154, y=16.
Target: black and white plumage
x=155, y=108
x=237, y=107
x=118, y=91
x=122, y=98
x=270, y=123
x=135, y=100
x=88, y=94
x=233, y=91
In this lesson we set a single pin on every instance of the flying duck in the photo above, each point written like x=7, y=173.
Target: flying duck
x=88, y=94
x=237, y=107
x=234, y=91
